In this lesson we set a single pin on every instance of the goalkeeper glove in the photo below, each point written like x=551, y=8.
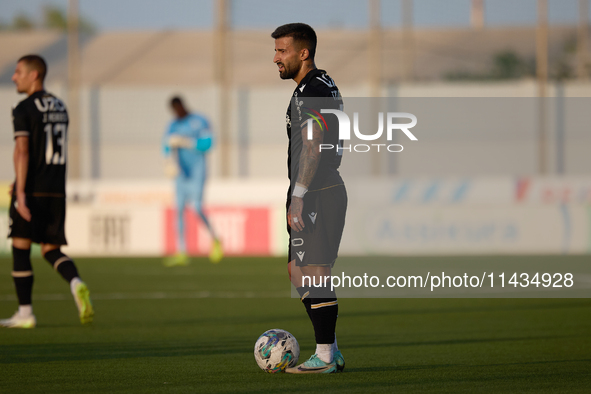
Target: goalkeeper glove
x=176, y=141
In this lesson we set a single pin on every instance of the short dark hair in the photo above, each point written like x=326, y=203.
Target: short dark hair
x=301, y=33
x=176, y=100
x=37, y=63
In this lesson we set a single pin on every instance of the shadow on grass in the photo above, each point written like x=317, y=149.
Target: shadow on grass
x=437, y=366
x=12, y=354
x=458, y=378
x=392, y=368
x=456, y=341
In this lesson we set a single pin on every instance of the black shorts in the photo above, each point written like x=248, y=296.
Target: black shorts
x=324, y=218
x=48, y=218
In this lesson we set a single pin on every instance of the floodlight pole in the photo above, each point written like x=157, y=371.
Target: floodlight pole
x=222, y=79
x=542, y=74
x=407, y=41
x=583, y=39
x=375, y=69
x=477, y=14
x=73, y=102
x=375, y=49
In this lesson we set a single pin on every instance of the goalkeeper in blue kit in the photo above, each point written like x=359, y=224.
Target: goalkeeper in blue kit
x=185, y=145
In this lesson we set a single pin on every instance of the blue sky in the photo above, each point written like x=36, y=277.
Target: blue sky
x=248, y=14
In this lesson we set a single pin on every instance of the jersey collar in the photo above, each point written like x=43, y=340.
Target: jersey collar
x=311, y=74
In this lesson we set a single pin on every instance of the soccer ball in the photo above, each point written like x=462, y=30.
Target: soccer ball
x=276, y=350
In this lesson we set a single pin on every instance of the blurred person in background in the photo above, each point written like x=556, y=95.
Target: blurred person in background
x=186, y=143
x=38, y=203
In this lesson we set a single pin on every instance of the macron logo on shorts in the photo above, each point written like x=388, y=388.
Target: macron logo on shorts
x=301, y=255
x=313, y=217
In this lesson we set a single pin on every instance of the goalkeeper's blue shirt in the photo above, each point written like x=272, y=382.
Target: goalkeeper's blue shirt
x=191, y=161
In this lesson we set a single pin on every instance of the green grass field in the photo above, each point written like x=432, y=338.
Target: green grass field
x=192, y=329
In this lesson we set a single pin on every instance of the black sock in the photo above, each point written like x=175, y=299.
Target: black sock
x=22, y=275
x=62, y=264
x=323, y=313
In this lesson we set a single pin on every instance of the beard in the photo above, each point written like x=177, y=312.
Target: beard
x=287, y=73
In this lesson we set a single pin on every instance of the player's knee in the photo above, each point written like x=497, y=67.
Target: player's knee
x=21, y=260
x=21, y=243
x=46, y=248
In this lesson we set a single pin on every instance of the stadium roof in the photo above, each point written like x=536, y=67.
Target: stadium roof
x=186, y=57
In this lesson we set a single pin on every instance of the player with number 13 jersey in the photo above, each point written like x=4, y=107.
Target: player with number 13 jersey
x=38, y=204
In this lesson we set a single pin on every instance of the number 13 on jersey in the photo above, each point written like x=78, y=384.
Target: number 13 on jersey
x=55, y=143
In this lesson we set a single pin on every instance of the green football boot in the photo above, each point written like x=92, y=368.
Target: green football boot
x=82, y=298
x=179, y=259
x=314, y=365
x=217, y=253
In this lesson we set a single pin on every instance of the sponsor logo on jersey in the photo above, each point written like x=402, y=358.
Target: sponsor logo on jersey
x=49, y=104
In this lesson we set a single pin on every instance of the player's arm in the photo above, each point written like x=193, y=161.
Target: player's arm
x=205, y=139
x=309, y=160
x=204, y=143
x=20, y=122
x=200, y=140
x=176, y=140
x=21, y=167
x=173, y=140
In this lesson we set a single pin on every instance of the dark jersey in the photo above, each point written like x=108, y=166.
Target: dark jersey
x=44, y=119
x=306, y=100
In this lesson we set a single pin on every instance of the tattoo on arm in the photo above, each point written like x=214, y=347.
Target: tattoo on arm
x=310, y=156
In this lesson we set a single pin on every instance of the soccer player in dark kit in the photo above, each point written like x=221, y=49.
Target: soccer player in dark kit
x=317, y=199
x=38, y=204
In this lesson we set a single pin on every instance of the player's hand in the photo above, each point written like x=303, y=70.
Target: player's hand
x=11, y=189
x=294, y=214
x=21, y=207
